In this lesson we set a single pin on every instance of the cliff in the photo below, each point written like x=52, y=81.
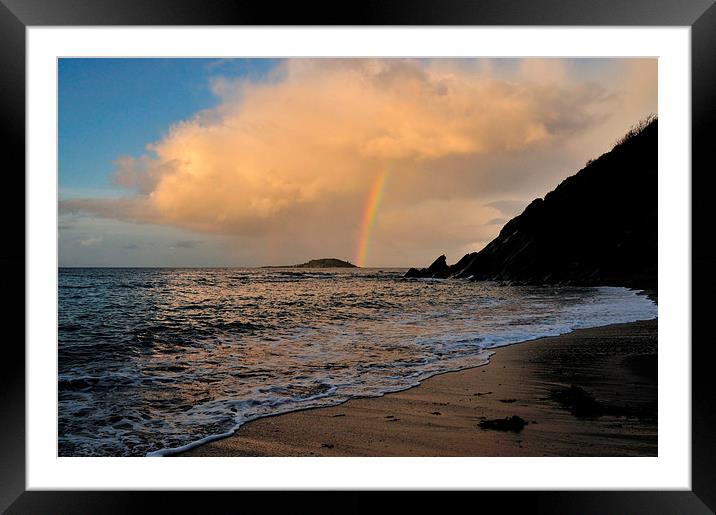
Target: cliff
x=598, y=227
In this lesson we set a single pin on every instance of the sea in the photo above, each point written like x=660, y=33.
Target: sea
x=155, y=361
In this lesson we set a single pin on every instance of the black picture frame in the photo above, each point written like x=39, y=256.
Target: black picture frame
x=17, y=15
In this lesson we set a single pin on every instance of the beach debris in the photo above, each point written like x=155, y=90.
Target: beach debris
x=508, y=401
x=480, y=394
x=513, y=423
x=578, y=401
x=327, y=445
x=339, y=415
x=436, y=413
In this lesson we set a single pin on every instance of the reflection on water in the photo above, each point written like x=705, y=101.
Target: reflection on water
x=151, y=359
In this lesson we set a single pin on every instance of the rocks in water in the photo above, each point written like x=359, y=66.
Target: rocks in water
x=598, y=227
x=513, y=423
x=438, y=269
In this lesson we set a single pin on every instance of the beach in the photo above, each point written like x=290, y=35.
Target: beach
x=592, y=392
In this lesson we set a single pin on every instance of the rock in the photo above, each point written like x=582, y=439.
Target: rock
x=439, y=266
x=578, y=401
x=513, y=423
x=438, y=269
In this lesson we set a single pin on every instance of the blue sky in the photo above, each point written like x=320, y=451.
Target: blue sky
x=113, y=107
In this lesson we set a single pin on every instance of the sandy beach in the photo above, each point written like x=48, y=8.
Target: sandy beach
x=592, y=392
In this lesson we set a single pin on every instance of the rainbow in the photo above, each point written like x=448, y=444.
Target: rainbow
x=368, y=219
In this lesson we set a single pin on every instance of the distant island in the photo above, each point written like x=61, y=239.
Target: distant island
x=598, y=227
x=320, y=263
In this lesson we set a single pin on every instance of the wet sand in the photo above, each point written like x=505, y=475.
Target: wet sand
x=592, y=392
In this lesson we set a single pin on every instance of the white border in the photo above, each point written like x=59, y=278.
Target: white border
x=671, y=470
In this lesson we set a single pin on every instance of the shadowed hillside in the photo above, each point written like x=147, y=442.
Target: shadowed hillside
x=598, y=227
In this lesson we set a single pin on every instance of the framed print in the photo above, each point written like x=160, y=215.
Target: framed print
x=413, y=248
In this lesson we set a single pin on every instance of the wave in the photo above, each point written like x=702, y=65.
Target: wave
x=418, y=377
x=193, y=359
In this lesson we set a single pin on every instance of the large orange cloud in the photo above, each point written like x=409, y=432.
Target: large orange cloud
x=293, y=157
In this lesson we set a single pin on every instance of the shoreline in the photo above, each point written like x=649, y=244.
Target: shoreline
x=593, y=389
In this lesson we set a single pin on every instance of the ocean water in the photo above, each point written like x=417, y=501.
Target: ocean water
x=151, y=361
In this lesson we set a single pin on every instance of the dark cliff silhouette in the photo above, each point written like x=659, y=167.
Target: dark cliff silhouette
x=598, y=227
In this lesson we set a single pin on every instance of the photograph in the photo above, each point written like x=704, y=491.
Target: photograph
x=433, y=248
x=358, y=257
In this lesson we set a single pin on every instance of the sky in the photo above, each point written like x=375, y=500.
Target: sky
x=381, y=162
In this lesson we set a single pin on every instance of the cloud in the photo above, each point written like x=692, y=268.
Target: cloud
x=185, y=244
x=128, y=209
x=507, y=207
x=290, y=161
x=91, y=241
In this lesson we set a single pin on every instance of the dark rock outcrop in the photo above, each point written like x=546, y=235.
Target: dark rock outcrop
x=326, y=263
x=439, y=268
x=598, y=227
x=319, y=263
x=513, y=423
